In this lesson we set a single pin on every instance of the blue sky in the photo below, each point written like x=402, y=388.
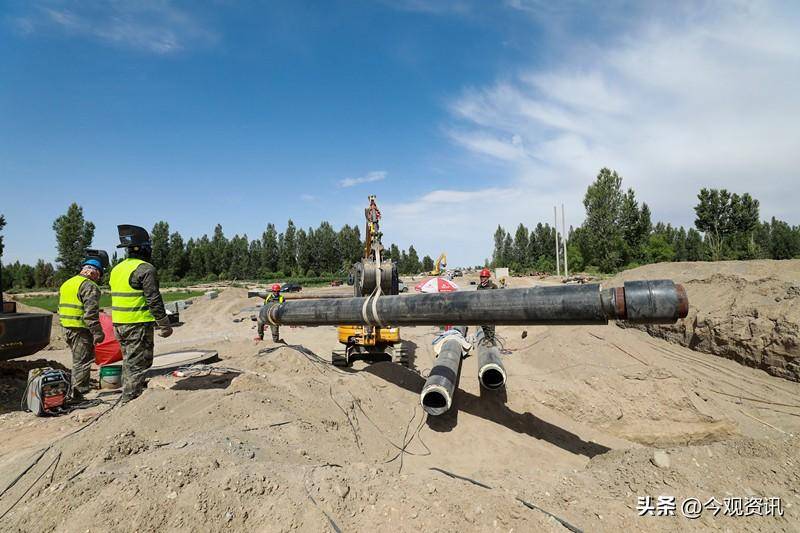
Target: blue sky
x=458, y=114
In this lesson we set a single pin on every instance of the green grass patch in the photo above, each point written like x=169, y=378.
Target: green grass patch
x=50, y=303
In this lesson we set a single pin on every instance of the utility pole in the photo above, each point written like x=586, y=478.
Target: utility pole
x=564, y=236
x=558, y=248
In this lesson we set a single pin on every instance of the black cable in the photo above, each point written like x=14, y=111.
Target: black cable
x=357, y=403
x=327, y=516
x=50, y=446
x=46, y=470
x=523, y=502
x=308, y=354
x=352, y=426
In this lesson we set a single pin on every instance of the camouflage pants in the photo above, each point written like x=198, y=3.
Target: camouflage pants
x=263, y=320
x=136, y=341
x=488, y=336
x=81, y=343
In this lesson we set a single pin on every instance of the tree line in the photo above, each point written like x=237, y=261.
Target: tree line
x=618, y=233
x=294, y=252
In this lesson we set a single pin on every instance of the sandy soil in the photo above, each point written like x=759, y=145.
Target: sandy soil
x=287, y=442
x=743, y=310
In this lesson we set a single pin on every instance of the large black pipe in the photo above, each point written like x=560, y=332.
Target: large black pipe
x=659, y=301
x=437, y=393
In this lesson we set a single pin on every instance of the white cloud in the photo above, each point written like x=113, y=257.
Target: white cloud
x=369, y=177
x=675, y=104
x=155, y=26
x=308, y=197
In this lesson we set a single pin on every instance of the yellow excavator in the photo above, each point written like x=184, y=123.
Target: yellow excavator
x=373, y=276
x=440, y=266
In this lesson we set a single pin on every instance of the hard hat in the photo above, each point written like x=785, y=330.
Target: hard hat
x=276, y=287
x=94, y=263
x=99, y=255
x=485, y=273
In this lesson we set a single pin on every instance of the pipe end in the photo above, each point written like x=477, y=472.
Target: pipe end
x=492, y=376
x=435, y=400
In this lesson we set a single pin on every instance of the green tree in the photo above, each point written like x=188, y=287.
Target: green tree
x=43, y=274
x=679, y=244
x=327, y=258
x=508, y=250
x=497, y=256
x=575, y=259
x=303, y=251
x=630, y=224
x=159, y=237
x=728, y=222
x=239, y=264
x=427, y=263
x=659, y=249
x=744, y=220
x=521, y=244
x=604, y=239
x=22, y=276
x=394, y=252
x=177, y=258
x=288, y=255
x=350, y=246
x=695, y=249
x=403, y=265
x=269, y=245
x=713, y=218
x=784, y=240
x=255, y=253
x=414, y=266
x=218, y=252
x=74, y=235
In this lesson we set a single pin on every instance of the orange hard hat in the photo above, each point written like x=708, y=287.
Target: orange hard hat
x=276, y=287
x=485, y=273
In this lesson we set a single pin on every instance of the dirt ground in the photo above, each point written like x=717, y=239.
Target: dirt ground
x=592, y=418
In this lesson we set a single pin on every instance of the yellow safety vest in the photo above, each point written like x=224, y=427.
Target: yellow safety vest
x=271, y=298
x=128, y=306
x=70, y=306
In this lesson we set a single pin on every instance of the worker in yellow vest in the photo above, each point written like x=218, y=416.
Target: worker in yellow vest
x=136, y=309
x=79, y=314
x=274, y=297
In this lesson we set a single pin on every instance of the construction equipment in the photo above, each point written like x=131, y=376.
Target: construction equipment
x=440, y=266
x=372, y=277
x=21, y=334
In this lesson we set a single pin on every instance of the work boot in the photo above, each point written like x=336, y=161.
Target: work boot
x=76, y=396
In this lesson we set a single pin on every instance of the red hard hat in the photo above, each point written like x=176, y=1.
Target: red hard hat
x=485, y=273
x=276, y=287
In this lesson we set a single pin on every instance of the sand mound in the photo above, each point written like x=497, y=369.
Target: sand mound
x=745, y=311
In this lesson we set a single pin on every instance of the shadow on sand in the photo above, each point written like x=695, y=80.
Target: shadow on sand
x=491, y=406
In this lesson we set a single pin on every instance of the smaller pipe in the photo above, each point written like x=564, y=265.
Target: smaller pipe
x=436, y=397
x=491, y=373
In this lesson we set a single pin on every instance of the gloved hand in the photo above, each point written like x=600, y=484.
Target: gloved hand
x=164, y=331
x=98, y=338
